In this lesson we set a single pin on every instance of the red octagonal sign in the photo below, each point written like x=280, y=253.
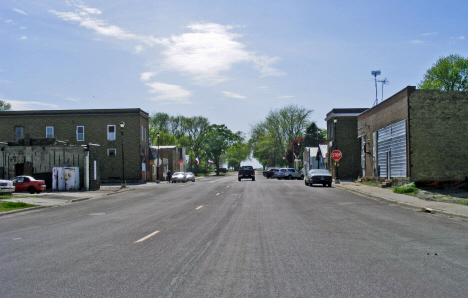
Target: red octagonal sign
x=336, y=155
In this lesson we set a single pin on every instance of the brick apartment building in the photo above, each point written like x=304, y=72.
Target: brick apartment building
x=342, y=135
x=75, y=128
x=416, y=135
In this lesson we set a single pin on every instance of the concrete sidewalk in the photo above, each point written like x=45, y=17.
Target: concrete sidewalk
x=387, y=195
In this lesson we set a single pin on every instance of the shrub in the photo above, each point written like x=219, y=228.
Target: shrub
x=408, y=188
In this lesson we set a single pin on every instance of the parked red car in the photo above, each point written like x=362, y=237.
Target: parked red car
x=28, y=183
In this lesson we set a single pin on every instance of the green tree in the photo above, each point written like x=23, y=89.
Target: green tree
x=237, y=153
x=447, y=74
x=218, y=140
x=4, y=106
x=271, y=138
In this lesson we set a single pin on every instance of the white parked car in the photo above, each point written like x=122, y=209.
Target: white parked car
x=189, y=176
x=6, y=186
x=178, y=177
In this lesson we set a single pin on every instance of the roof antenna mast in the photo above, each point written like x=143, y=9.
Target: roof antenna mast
x=384, y=82
x=376, y=73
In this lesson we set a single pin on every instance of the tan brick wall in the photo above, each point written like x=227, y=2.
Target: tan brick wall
x=439, y=135
x=95, y=123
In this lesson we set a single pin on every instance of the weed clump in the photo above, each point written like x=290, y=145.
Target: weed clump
x=407, y=188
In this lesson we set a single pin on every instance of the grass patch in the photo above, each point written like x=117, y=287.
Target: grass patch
x=8, y=206
x=369, y=183
x=464, y=202
x=406, y=189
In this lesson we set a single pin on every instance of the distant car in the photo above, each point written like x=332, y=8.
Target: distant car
x=178, y=177
x=6, y=186
x=318, y=176
x=288, y=173
x=246, y=172
x=222, y=170
x=28, y=183
x=189, y=176
x=268, y=173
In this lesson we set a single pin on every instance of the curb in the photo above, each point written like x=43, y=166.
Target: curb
x=23, y=210
x=410, y=206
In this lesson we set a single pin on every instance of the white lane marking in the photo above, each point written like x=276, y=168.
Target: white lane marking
x=144, y=238
x=93, y=214
x=199, y=207
x=217, y=194
x=227, y=186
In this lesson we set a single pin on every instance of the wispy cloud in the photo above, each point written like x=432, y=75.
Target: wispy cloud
x=417, y=41
x=146, y=76
x=429, y=34
x=171, y=93
x=233, y=95
x=17, y=105
x=86, y=17
x=23, y=37
x=20, y=11
x=458, y=38
x=71, y=99
x=205, y=54
x=210, y=50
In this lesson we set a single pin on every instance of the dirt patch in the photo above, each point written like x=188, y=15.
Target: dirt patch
x=448, y=194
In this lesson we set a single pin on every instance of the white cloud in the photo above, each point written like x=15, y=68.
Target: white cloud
x=23, y=37
x=208, y=51
x=20, y=11
x=233, y=95
x=286, y=96
x=204, y=54
x=17, y=105
x=167, y=92
x=139, y=49
x=86, y=17
x=459, y=38
x=71, y=99
x=146, y=76
x=429, y=34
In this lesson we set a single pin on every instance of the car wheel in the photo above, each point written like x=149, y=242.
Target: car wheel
x=329, y=184
x=31, y=190
x=305, y=182
x=253, y=178
x=239, y=179
x=289, y=177
x=324, y=185
x=302, y=177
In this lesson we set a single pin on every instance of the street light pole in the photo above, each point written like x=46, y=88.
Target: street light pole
x=157, y=161
x=123, y=184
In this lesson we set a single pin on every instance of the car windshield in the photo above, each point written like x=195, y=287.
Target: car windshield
x=320, y=172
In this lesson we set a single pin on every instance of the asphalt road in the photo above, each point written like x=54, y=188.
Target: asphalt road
x=219, y=237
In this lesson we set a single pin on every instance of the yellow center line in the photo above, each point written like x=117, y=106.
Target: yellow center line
x=199, y=207
x=144, y=238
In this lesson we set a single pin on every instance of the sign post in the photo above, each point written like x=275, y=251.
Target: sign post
x=336, y=155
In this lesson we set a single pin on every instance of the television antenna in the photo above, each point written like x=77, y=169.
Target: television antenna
x=375, y=73
x=384, y=82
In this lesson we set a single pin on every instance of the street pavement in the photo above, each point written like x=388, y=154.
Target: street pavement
x=57, y=198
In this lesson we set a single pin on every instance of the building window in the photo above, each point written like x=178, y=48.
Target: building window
x=49, y=132
x=80, y=133
x=19, y=133
x=142, y=135
x=111, y=132
x=111, y=152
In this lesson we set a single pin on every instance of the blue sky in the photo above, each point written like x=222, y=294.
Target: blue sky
x=229, y=61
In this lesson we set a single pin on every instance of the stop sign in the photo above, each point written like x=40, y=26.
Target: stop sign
x=336, y=155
